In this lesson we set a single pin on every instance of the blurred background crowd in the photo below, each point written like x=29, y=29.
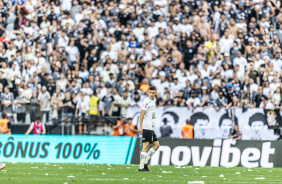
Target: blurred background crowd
x=83, y=58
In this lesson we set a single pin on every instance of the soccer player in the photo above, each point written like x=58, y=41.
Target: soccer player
x=147, y=125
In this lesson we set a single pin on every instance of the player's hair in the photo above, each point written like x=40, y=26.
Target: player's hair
x=38, y=118
x=4, y=115
x=152, y=88
x=257, y=117
x=198, y=115
x=173, y=114
x=225, y=116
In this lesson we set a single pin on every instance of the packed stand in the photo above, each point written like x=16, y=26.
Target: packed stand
x=65, y=59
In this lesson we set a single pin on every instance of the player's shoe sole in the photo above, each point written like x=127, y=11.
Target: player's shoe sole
x=146, y=167
x=2, y=166
x=143, y=170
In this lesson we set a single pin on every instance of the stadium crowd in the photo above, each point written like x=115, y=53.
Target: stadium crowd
x=87, y=58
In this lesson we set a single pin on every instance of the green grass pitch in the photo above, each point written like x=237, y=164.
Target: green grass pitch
x=28, y=173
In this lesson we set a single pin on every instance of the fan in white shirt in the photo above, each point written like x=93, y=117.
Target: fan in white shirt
x=241, y=61
x=225, y=42
x=79, y=16
x=193, y=102
x=152, y=30
x=266, y=104
x=186, y=27
x=161, y=23
x=63, y=40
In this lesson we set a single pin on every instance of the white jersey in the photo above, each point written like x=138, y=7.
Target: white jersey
x=149, y=120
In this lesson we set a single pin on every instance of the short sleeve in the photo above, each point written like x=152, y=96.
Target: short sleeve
x=145, y=105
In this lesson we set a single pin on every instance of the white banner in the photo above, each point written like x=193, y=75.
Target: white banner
x=209, y=123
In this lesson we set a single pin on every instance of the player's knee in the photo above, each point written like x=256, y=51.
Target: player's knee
x=145, y=149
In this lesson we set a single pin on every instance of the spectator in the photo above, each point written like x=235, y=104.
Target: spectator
x=7, y=102
x=236, y=134
x=81, y=112
x=34, y=107
x=276, y=98
x=120, y=128
x=37, y=127
x=20, y=102
x=193, y=102
x=221, y=102
x=165, y=129
x=67, y=108
x=132, y=130
x=55, y=103
x=187, y=130
x=266, y=104
x=44, y=100
x=123, y=103
x=108, y=103
x=137, y=100
x=5, y=124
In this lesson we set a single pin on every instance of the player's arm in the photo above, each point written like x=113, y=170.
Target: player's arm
x=140, y=130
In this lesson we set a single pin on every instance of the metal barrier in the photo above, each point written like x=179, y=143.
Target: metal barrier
x=100, y=125
x=91, y=122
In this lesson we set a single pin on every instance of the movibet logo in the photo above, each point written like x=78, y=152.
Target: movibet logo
x=220, y=154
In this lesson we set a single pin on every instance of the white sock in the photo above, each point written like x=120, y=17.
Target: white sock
x=143, y=157
x=150, y=154
x=0, y=163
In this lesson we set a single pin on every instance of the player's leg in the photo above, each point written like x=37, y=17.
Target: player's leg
x=144, y=154
x=147, y=138
x=2, y=165
x=151, y=152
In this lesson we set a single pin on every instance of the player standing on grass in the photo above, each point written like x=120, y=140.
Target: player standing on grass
x=147, y=125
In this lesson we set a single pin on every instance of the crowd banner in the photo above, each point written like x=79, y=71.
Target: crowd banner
x=212, y=124
x=215, y=153
x=273, y=117
x=67, y=149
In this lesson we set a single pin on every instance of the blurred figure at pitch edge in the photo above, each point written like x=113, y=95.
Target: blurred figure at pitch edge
x=165, y=129
x=187, y=130
x=131, y=131
x=120, y=128
x=5, y=125
x=37, y=127
x=236, y=134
